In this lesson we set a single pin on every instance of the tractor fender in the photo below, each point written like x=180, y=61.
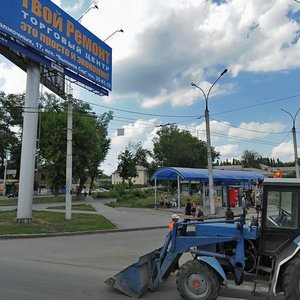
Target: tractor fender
x=214, y=263
x=284, y=257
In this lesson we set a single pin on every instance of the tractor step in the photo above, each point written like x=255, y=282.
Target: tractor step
x=259, y=294
x=259, y=281
x=265, y=269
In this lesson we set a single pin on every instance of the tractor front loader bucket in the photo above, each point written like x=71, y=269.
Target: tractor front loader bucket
x=136, y=279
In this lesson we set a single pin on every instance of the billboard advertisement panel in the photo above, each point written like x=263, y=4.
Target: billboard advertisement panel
x=53, y=34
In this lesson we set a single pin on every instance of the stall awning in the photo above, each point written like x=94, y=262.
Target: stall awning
x=193, y=174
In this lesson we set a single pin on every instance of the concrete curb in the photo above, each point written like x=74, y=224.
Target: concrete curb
x=45, y=235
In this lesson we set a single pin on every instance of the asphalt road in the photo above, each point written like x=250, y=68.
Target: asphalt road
x=75, y=267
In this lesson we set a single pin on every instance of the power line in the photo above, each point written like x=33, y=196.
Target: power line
x=256, y=105
x=280, y=142
x=246, y=129
x=135, y=112
x=233, y=137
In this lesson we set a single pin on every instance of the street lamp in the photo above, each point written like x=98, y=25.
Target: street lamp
x=119, y=30
x=295, y=141
x=94, y=6
x=209, y=159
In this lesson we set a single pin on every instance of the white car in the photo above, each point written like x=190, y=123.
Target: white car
x=99, y=190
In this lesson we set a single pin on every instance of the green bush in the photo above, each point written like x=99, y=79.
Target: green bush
x=106, y=195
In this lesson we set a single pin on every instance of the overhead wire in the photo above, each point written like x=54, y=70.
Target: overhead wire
x=256, y=105
x=138, y=113
x=191, y=118
x=247, y=129
x=233, y=137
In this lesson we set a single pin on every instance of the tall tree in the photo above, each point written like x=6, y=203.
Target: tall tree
x=11, y=107
x=141, y=155
x=251, y=159
x=173, y=147
x=133, y=156
x=90, y=142
x=127, y=165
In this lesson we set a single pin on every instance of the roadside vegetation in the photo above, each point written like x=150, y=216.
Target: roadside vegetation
x=81, y=207
x=145, y=199
x=52, y=222
x=48, y=199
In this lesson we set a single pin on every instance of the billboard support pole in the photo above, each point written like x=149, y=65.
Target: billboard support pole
x=68, y=213
x=30, y=119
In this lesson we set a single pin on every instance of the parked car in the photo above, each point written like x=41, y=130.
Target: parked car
x=12, y=195
x=100, y=190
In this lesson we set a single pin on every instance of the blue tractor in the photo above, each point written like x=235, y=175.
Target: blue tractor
x=268, y=247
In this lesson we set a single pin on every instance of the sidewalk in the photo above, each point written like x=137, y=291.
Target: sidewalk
x=133, y=218
x=137, y=218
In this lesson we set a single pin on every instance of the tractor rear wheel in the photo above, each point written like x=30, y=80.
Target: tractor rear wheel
x=291, y=279
x=196, y=280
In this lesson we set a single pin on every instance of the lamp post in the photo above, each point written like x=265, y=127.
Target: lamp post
x=119, y=30
x=209, y=159
x=94, y=6
x=295, y=140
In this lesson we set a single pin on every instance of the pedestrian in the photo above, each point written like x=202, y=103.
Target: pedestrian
x=168, y=203
x=174, y=220
x=193, y=208
x=200, y=213
x=244, y=204
x=257, y=201
x=174, y=202
x=162, y=202
x=188, y=208
x=229, y=214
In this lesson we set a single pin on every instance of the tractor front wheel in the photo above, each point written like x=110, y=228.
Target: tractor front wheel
x=291, y=279
x=196, y=280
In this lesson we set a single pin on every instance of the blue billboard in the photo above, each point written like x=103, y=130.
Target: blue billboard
x=55, y=36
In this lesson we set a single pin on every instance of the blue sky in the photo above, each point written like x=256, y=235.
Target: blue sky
x=166, y=45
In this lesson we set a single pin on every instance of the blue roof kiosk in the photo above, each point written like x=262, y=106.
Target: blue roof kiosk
x=192, y=174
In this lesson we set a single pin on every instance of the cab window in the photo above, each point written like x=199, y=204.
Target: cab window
x=282, y=209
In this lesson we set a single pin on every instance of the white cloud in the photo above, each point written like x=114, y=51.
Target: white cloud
x=285, y=151
x=222, y=130
x=168, y=44
x=255, y=129
x=229, y=151
x=12, y=78
x=141, y=130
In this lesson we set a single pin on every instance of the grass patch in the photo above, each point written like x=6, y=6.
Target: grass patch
x=52, y=222
x=37, y=200
x=83, y=207
x=106, y=195
x=147, y=202
x=8, y=202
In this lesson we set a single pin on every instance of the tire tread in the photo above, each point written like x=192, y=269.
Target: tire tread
x=292, y=268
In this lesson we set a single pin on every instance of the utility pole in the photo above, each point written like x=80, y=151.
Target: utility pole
x=295, y=141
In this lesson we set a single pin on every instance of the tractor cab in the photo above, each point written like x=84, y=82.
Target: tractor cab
x=280, y=215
